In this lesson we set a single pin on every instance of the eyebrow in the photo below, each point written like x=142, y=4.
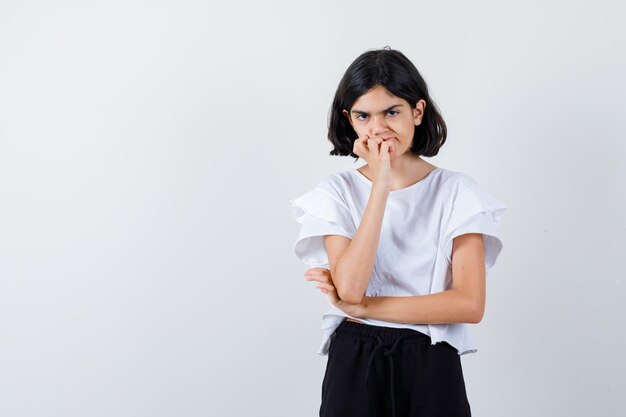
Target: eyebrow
x=384, y=111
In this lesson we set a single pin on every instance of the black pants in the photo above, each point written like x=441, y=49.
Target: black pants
x=375, y=371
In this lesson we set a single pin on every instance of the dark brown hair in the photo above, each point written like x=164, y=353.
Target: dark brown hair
x=394, y=71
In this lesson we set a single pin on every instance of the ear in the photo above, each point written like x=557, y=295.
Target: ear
x=345, y=113
x=418, y=112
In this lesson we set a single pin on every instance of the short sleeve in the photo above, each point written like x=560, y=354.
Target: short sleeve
x=319, y=213
x=475, y=210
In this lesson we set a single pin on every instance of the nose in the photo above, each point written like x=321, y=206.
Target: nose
x=377, y=125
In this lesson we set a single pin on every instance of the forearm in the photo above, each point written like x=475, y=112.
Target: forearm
x=451, y=306
x=354, y=267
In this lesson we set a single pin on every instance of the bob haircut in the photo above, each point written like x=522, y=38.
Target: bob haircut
x=394, y=71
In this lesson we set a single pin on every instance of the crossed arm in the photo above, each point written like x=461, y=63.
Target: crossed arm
x=463, y=303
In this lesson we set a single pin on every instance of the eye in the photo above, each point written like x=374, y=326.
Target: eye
x=361, y=116
x=392, y=111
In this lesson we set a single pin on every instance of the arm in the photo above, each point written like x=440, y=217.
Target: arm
x=463, y=303
x=352, y=261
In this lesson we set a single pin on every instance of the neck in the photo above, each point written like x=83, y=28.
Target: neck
x=406, y=165
x=406, y=170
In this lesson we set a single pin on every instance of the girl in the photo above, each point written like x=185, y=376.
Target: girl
x=399, y=246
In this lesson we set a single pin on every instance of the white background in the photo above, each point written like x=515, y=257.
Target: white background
x=148, y=150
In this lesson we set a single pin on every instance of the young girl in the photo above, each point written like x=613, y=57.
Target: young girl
x=401, y=248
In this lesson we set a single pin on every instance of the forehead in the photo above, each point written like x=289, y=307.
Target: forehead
x=376, y=99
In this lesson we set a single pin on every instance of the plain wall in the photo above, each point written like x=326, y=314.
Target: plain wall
x=148, y=150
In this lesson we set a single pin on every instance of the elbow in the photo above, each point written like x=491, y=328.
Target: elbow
x=347, y=291
x=475, y=319
x=350, y=297
x=477, y=313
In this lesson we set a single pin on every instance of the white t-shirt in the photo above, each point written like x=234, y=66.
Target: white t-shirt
x=415, y=247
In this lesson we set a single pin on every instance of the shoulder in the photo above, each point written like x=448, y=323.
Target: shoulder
x=455, y=182
x=467, y=196
x=339, y=180
x=337, y=184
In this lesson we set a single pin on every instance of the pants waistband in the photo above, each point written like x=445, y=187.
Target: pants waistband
x=371, y=332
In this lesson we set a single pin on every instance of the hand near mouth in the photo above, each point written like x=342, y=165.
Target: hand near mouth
x=375, y=150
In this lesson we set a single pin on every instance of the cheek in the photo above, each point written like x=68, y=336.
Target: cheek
x=406, y=128
x=360, y=129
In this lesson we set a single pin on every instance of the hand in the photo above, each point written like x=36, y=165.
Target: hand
x=376, y=152
x=325, y=284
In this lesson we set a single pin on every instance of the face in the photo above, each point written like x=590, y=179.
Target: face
x=379, y=113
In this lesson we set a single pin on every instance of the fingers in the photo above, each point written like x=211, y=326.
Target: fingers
x=360, y=147
x=326, y=288
x=372, y=145
x=323, y=279
x=378, y=154
x=362, y=142
x=319, y=275
x=369, y=148
x=385, y=148
x=376, y=143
